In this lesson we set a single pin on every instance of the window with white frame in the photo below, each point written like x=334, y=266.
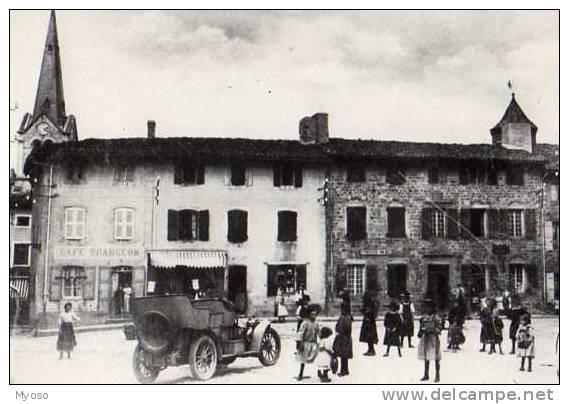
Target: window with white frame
x=515, y=223
x=124, y=224
x=74, y=223
x=72, y=279
x=22, y=220
x=438, y=223
x=355, y=280
x=517, y=278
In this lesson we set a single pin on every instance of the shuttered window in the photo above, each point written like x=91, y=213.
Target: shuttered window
x=237, y=226
x=21, y=254
x=238, y=174
x=287, y=226
x=396, y=222
x=355, y=173
x=287, y=175
x=287, y=278
x=188, y=225
x=124, y=224
x=74, y=219
x=356, y=223
x=189, y=173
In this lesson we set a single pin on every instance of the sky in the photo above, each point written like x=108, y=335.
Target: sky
x=425, y=76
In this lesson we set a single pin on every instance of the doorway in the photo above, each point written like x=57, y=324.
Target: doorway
x=120, y=278
x=438, y=285
x=237, y=287
x=396, y=280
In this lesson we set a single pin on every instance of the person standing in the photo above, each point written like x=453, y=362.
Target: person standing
x=498, y=326
x=487, y=328
x=407, y=311
x=301, y=311
x=392, y=324
x=455, y=336
x=281, y=311
x=127, y=290
x=325, y=354
x=118, y=299
x=66, y=339
x=516, y=314
x=506, y=303
x=307, y=340
x=526, y=342
x=343, y=340
x=368, y=333
x=429, y=348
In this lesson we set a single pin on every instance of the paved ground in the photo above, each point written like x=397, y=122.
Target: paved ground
x=105, y=357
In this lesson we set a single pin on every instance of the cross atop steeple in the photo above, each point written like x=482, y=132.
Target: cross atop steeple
x=49, y=96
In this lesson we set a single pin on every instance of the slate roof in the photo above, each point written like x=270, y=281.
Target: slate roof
x=220, y=149
x=514, y=114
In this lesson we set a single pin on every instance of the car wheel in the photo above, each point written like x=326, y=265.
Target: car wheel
x=203, y=357
x=142, y=371
x=270, y=347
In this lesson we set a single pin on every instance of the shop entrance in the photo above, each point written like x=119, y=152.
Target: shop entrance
x=121, y=282
x=438, y=285
x=237, y=287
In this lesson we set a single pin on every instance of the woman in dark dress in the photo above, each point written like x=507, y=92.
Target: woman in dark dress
x=407, y=311
x=343, y=340
x=392, y=324
x=368, y=333
x=487, y=329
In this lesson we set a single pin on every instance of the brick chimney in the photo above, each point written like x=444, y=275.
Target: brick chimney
x=314, y=129
x=151, y=129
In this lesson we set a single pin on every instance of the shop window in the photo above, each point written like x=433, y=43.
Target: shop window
x=21, y=254
x=188, y=225
x=189, y=173
x=124, y=224
x=287, y=278
x=74, y=223
x=73, y=278
x=355, y=173
x=124, y=174
x=287, y=226
x=237, y=226
x=287, y=175
x=396, y=222
x=355, y=280
x=356, y=226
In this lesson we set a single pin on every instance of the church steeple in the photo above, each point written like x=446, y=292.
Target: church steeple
x=49, y=96
x=515, y=130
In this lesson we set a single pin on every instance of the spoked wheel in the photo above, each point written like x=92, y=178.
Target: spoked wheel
x=270, y=347
x=144, y=372
x=203, y=358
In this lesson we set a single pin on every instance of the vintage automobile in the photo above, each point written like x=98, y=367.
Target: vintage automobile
x=176, y=330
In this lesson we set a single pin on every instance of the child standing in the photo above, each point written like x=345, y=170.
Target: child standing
x=325, y=354
x=307, y=339
x=429, y=349
x=66, y=338
x=392, y=324
x=407, y=311
x=343, y=340
x=526, y=342
x=498, y=325
x=455, y=336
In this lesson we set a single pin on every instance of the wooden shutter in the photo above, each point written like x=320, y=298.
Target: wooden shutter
x=426, y=230
x=203, y=225
x=173, y=225
x=292, y=226
x=178, y=173
x=395, y=222
x=272, y=283
x=277, y=170
x=530, y=220
x=452, y=224
x=494, y=223
x=237, y=226
x=504, y=223
x=340, y=279
x=200, y=174
x=371, y=278
x=298, y=176
x=465, y=223
x=89, y=283
x=282, y=231
x=301, y=276
x=185, y=224
x=55, y=282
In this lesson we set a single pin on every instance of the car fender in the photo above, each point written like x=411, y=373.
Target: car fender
x=258, y=335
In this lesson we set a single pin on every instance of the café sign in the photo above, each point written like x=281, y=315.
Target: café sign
x=100, y=255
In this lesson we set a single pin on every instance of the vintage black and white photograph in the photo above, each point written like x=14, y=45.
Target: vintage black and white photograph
x=284, y=197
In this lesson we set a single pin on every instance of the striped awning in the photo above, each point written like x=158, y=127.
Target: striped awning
x=19, y=288
x=193, y=259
